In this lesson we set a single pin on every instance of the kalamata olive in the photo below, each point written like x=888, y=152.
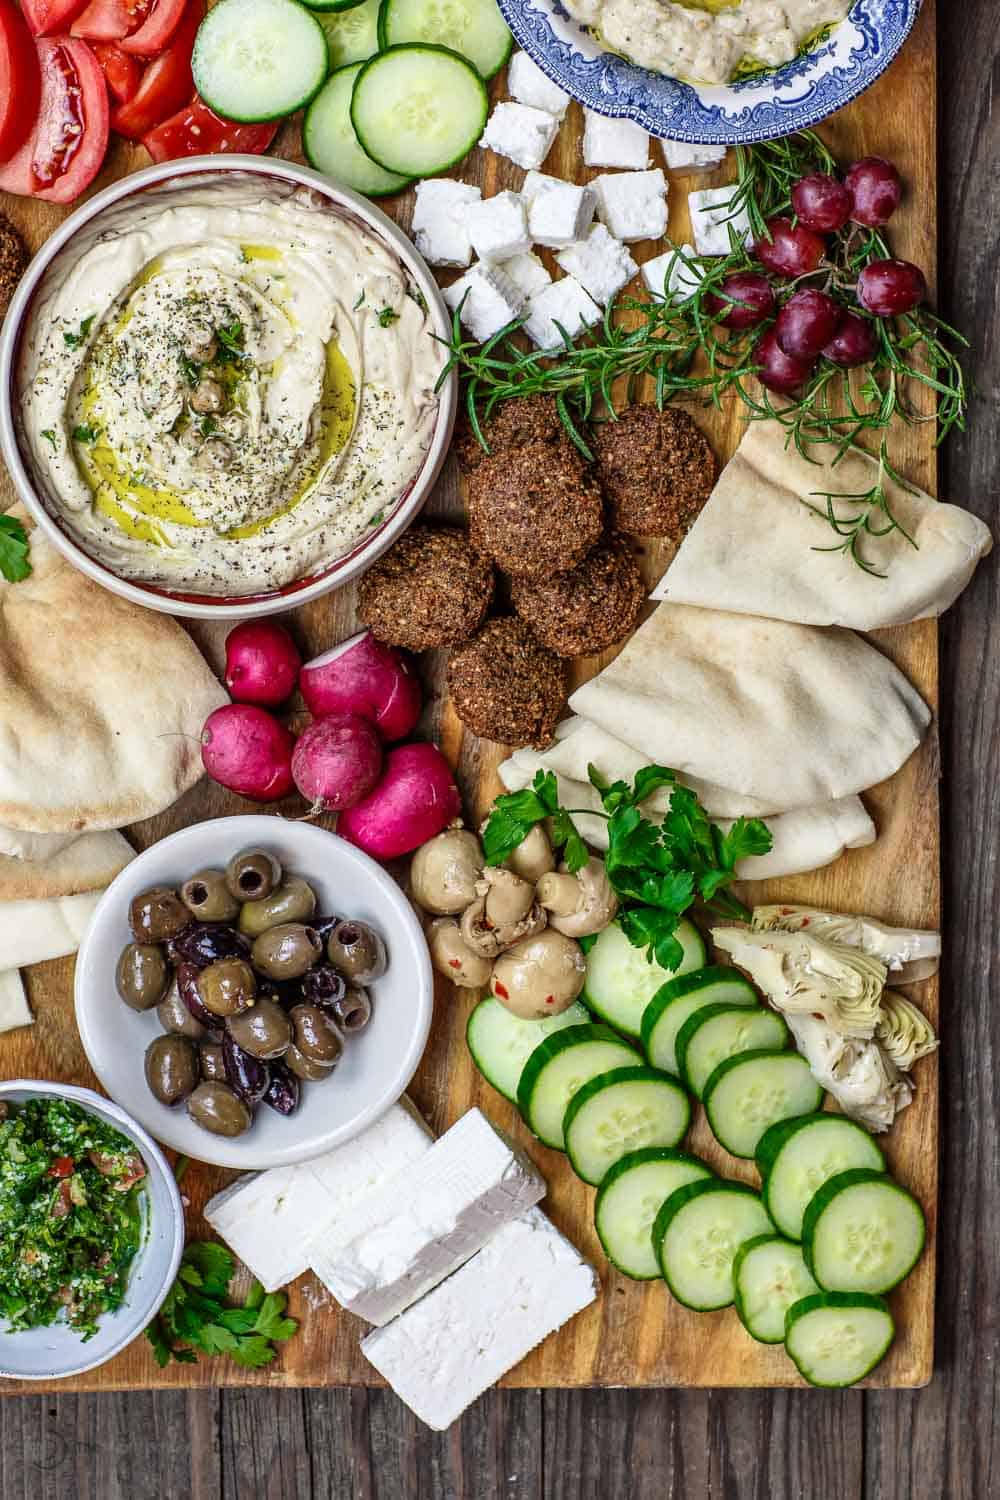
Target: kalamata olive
x=206, y=942
x=264, y=1030
x=283, y=1091
x=207, y=896
x=212, y=1061
x=142, y=975
x=353, y=1010
x=171, y=1068
x=286, y=952
x=316, y=1035
x=247, y=1075
x=215, y=1107
x=357, y=951
x=175, y=1017
x=293, y=901
x=187, y=989
x=304, y=1067
x=252, y=875
x=323, y=984
x=157, y=914
x=227, y=987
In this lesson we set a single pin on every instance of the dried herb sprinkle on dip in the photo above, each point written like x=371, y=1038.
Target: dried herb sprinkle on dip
x=70, y=1215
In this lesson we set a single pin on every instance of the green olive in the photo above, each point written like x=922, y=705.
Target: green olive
x=212, y=1060
x=264, y=1030
x=294, y=901
x=175, y=1017
x=171, y=1068
x=216, y=1107
x=357, y=951
x=207, y=897
x=315, y=1034
x=252, y=875
x=142, y=975
x=227, y=987
x=157, y=914
x=304, y=1067
x=286, y=952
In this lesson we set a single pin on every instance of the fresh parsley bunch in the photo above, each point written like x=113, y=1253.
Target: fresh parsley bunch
x=197, y=1319
x=14, y=564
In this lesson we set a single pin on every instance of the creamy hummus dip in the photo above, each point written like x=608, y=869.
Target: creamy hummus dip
x=224, y=387
x=708, y=41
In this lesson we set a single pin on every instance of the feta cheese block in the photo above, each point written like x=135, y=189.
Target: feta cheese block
x=529, y=85
x=491, y=300
x=269, y=1218
x=498, y=226
x=564, y=302
x=426, y=1222
x=712, y=217
x=439, y=226
x=527, y=272
x=455, y=1343
x=14, y=1008
x=669, y=272
x=681, y=156
x=600, y=263
x=611, y=142
x=521, y=133
x=559, y=213
x=633, y=204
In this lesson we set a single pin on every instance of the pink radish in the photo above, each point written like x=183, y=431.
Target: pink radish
x=337, y=761
x=416, y=799
x=262, y=663
x=247, y=750
x=363, y=676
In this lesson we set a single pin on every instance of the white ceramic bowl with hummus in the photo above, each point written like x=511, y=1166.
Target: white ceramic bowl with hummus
x=219, y=386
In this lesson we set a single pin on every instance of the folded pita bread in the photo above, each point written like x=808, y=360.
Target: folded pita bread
x=31, y=932
x=14, y=1008
x=788, y=714
x=18, y=843
x=89, y=863
x=751, y=550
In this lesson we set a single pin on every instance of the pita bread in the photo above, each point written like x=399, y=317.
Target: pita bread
x=101, y=703
x=90, y=863
x=14, y=1008
x=32, y=932
x=789, y=714
x=17, y=843
x=751, y=549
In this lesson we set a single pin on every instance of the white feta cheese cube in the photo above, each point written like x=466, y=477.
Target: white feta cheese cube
x=680, y=156
x=712, y=217
x=491, y=300
x=428, y=1220
x=498, y=226
x=455, y=1343
x=538, y=182
x=14, y=1008
x=611, y=142
x=564, y=302
x=529, y=85
x=633, y=204
x=269, y=1218
x=600, y=263
x=439, y=228
x=521, y=133
x=559, y=214
x=670, y=273
x=527, y=273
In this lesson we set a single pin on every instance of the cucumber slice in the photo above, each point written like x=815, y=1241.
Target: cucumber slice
x=418, y=109
x=748, y=1093
x=769, y=1275
x=558, y=1067
x=671, y=1006
x=630, y=1197
x=329, y=7
x=331, y=146
x=621, y=981
x=862, y=1232
x=836, y=1338
x=620, y=1112
x=796, y=1157
x=259, y=59
x=501, y=1043
x=351, y=35
x=696, y=1235
x=720, y=1031
x=475, y=28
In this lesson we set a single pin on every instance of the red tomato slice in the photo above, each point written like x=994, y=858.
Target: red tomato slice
x=64, y=152
x=166, y=84
x=122, y=73
x=45, y=16
x=20, y=80
x=198, y=131
x=157, y=30
x=109, y=20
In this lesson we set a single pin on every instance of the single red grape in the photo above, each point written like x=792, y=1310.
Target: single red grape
x=792, y=250
x=875, y=189
x=778, y=370
x=821, y=202
x=743, y=300
x=808, y=320
x=854, y=343
x=890, y=287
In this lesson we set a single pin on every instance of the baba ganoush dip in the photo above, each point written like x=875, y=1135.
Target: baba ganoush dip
x=226, y=385
x=707, y=40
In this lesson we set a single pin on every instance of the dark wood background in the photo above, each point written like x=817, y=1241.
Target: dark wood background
x=933, y=1444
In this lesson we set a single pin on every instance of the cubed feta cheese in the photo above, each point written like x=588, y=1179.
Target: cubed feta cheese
x=712, y=217
x=529, y=85
x=491, y=300
x=559, y=214
x=611, y=142
x=682, y=157
x=633, y=204
x=527, y=273
x=439, y=229
x=564, y=302
x=427, y=1220
x=538, y=182
x=455, y=1343
x=600, y=263
x=498, y=226
x=521, y=133
x=14, y=1008
x=681, y=279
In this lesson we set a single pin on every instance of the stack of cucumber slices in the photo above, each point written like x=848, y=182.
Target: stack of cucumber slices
x=808, y=1259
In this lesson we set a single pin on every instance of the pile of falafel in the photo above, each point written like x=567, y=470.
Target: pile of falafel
x=557, y=530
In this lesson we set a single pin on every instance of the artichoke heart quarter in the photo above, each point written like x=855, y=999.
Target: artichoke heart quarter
x=903, y=1031
x=861, y=1077
x=907, y=952
x=803, y=974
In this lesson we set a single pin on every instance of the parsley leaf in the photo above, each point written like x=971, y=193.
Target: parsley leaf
x=196, y=1319
x=14, y=564
x=50, y=437
x=387, y=317
x=230, y=336
x=74, y=340
x=84, y=433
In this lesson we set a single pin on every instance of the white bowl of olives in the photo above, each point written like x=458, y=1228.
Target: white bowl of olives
x=254, y=991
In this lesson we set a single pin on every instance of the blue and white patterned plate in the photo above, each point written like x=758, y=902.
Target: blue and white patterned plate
x=757, y=108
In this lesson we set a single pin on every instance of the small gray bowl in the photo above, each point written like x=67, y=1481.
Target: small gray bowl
x=57, y=1351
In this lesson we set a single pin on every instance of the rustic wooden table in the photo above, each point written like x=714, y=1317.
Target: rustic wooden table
x=920, y=1445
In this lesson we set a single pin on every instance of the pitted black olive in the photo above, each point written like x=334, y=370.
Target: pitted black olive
x=204, y=943
x=247, y=1075
x=357, y=951
x=283, y=1091
x=252, y=875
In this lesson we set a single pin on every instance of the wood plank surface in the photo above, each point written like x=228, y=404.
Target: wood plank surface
x=636, y=1334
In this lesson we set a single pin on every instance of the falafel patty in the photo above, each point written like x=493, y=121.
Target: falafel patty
x=588, y=609
x=535, y=510
x=430, y=589
x=527, y=419
x=657, y=470
x=13, y=261
x=506, y=686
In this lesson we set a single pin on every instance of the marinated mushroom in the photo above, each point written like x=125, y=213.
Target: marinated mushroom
x=286, y=951
x=142, y=976
x=504, y=912
x=208, y=898
x=540, y=976
x=171, y=1068
x=293, y=901
x=264, y=1030
x=579, y=904
x=157, y=914
x=444, y=871
x=219, y=1109
x=452, y=956
x=252, y=875
x=357, y=951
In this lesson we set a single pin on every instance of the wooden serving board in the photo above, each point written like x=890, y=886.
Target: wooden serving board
x=635, y=1335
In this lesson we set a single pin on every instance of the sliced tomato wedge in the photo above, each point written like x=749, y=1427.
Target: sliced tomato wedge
x=109, y=20
x=122, y=73
x=65, y=150
x=157, y=30
x=46, y=16
x=61, y=1167
x=166, y=85
x=199, y=131
x=20, y=80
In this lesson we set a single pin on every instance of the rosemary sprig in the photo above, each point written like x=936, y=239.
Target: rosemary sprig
x=871, y=506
